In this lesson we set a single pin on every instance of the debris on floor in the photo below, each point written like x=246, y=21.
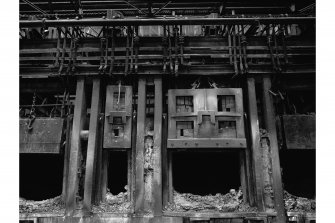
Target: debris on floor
x=52, y=205
x=230, y=202
x=298, y=204
x=113, y=203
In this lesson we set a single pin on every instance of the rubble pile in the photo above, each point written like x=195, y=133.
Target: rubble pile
x=230, y=202
x=53, y=205
x=113, y=203
x=298, y=204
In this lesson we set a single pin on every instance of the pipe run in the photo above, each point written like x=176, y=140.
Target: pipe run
x=168, y=21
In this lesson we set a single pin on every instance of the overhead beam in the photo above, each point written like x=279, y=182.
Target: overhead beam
x=174, y=21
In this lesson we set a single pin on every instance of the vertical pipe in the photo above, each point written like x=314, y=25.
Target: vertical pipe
x=229, y=45
x=131, y=49
x=240, y=49
x=111, y=68
x=244, y=45
x=126, y=64
x=234, y=51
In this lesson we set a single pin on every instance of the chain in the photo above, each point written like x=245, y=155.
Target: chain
x=32, y=114
x=32, y=110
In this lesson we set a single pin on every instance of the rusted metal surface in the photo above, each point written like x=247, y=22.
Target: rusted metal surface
x=44, y=137
x=118, y=120
x=299, y=131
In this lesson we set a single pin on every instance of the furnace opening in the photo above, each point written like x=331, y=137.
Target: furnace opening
x=205, y=173
x=117, y=172
x=41, y=176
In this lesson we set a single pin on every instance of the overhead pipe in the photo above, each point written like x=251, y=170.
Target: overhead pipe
x=162, y=21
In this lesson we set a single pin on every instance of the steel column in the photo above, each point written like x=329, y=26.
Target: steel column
x=157, y=157
x=255, y=143
x=270, y=125
x=139, y=165
x=75, y=150
x=92, y=144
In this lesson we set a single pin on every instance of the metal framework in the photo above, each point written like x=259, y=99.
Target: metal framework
x=152, y=55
